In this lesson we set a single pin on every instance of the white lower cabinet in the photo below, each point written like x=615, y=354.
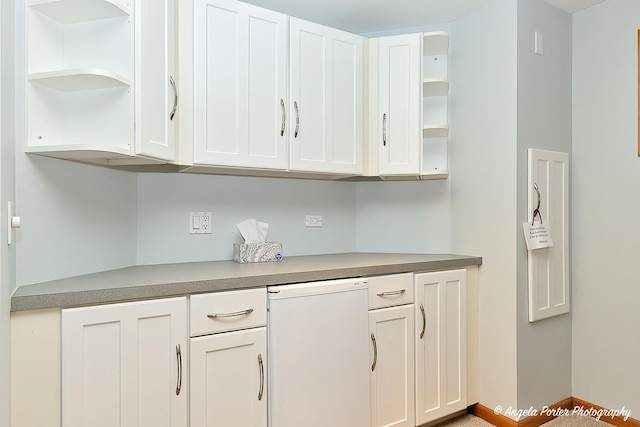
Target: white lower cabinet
x=228, y=379
x=391, y=328
x=124, y=364
x=441, y=365
x=228, y=361
x=128, y=364
x=392, y=368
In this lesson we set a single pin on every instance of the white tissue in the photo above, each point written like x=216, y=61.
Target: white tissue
x=253, y=231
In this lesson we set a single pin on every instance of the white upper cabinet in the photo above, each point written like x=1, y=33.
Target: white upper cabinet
x=325, y=134
x=399, y=105
x=412, y=112
x=78, y=94
x=155, y=79
x=239, y=85
x=435, y=101
x=83, y=99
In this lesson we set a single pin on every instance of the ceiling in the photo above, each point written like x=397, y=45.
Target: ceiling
x=371, y=16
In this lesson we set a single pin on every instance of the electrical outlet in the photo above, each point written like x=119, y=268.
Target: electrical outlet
x=200, y=223
x=313, y=221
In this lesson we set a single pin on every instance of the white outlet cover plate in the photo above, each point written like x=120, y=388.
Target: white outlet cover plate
x=313, y=221
x=200, y=223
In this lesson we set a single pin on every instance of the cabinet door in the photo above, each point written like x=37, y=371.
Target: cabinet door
x=156, y=91
x=124, y=364
x=392, y=376
x=240, y=85
x=399, y=97
x=325, y=134
x=228, y=379
x=441, y=368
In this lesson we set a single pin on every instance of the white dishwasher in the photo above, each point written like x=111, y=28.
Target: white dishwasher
x=318, y=346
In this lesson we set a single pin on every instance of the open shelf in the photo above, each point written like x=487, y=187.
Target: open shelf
x=435, y=43
x=435, y=87
x=435, y=131
x=79, y=79
x=73, y=11
x=435, y=174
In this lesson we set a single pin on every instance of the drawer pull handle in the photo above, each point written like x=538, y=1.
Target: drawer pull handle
x=391, y=293
x=234, y=314
x=375, y=352
x=261, y=391
x=424, y=321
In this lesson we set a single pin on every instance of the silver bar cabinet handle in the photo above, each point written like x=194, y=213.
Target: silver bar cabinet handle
x=175, y=98
x=261, y=391
x=295, y=107
x=391, y=293
x=424, y=321
x=179, y=360
x=234, y=314
x=384, y=129
x=284, y=117
x=375, y=352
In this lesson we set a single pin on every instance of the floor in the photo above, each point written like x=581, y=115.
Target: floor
x=565, y=421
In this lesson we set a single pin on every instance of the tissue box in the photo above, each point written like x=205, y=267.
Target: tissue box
x=257, y=252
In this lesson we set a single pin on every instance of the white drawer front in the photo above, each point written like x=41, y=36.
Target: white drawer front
x=390, y=290
x=227, y=311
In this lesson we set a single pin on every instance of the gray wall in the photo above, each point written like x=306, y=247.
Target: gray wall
x=164, y=203
x=606, y=208
x=7, y=191
x=483, y=182
x=403, y=217
x=77, y=219
x=544, y=122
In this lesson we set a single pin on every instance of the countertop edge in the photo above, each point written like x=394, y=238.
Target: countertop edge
x=22, y=301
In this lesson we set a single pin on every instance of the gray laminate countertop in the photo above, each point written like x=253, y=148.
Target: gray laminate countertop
x=164, y=280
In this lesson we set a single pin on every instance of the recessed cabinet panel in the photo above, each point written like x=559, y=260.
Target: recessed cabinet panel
x=267, y=114
x=224, y=70
x=455, y=340
x=344, y=100
x=308, y=91
x=400, y=89
x=431, y=346
x=99, y=375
